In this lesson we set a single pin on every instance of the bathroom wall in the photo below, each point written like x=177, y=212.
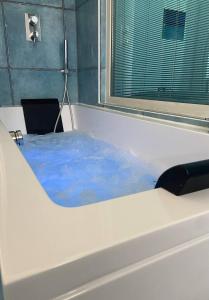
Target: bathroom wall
x=33, y=71
x=28, y=71
x=87, y=35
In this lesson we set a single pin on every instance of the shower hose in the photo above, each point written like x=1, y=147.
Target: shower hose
x=67, y=99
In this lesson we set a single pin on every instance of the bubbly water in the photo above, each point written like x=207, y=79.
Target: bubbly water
x=76, y=169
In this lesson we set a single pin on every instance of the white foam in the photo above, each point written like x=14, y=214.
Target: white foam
x=76, y=169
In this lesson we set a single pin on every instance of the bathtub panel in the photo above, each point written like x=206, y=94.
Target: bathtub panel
x=78, y=275
x=181, y=273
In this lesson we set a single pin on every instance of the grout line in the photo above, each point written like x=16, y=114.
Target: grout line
x=37, y=69
x=7, y=53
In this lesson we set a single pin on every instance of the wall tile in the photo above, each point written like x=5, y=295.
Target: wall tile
x=45, y=54
x=42, y=84
x=37, y=84
x=3, y=59
x=103, y=33
x=71, y=36
x=73, y=86
x=5, y=95
x=88, y=86
x=103, y=50
x=55, y=3
x=70, y=4
x=87, y=32
x=78, y=3
x=103, y=85
x=87, y=47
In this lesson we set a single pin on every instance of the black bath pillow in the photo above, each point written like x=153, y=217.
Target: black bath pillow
x=40, y=115
x=186, y=178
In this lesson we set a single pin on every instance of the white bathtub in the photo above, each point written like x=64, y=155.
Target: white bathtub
x=151, y=245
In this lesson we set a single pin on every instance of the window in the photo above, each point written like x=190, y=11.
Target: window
x=158, y=55
x=173, y=24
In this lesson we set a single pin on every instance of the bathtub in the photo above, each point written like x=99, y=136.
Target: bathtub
x=150, y=245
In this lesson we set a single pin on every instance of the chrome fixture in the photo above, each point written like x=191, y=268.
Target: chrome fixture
x=17, y=136
x=33, y=20
x=32, y=27
x=13, y=135
x=34, y=36
x=66, y=98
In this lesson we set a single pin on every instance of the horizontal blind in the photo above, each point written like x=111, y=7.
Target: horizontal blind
x=160, y=50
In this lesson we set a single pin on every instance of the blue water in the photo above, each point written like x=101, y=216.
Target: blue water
x=76, y=169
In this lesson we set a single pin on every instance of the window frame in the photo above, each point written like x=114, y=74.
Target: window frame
x=197, y=111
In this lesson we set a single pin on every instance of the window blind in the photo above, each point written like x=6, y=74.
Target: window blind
x=160, y=50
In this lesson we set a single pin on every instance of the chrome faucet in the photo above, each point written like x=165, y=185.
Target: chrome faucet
x=17, y=136
x=33, y=29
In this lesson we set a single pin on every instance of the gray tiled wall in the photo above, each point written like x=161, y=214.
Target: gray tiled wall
x=3, y=59
x=33, y=71
x=87, y=33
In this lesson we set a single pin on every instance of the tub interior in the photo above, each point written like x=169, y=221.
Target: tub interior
x=76, y=169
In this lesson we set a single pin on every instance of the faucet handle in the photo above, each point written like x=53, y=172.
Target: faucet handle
x=34, y=36
x=33, y=20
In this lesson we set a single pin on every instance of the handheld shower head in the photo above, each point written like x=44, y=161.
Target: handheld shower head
x=66, y=93
x=66, y=54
